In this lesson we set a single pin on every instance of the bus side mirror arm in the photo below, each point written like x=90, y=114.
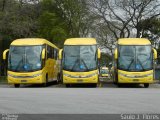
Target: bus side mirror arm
x=115, y=54
x=154, y=53
x=99, y=53
x=60, y=54
x=5, y=54
x=43, y=54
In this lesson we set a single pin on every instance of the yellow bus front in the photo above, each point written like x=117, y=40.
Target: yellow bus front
x=25, y=64
x=135, y=64
x=135, y=61
x=80, y=61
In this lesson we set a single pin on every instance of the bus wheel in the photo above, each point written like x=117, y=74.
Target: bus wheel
x=16, y=85
x=119, y=84
x=146, y=85
x=94, y=85
x=68, y=85
x=58, y=78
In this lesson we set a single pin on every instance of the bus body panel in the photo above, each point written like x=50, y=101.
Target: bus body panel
x=52, y=69
x=135, y=77
x=80, y=77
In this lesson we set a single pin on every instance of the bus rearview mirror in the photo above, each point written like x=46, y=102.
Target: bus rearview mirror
x=99, y=53
x=115, y=54
x=60, y=54
x=43, y=54
x=154, y=53
x=5, y=54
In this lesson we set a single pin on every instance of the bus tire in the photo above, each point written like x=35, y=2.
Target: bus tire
x=146, y=85
x=16, y=85
x=68, y=85
x=119, y=84
x=94, y=85
x=58, y=78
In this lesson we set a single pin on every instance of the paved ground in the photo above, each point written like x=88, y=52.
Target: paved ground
x=104, y=84
x=108, y=99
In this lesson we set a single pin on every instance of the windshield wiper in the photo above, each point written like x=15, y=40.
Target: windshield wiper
x=85, y=64
x=141, y=64
x=75, y=64
x=19, y=64
x=130, y=63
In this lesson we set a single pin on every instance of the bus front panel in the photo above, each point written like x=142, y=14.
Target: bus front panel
x=135, y=77
x=25, y=78
x=80, y=77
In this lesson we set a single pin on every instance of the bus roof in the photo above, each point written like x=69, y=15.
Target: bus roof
x=32, y=41
x=133, y=41
x=80, y=41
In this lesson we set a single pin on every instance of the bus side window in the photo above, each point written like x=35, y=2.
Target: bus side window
x=52, y=53
x=55, y=54
x=48, y=52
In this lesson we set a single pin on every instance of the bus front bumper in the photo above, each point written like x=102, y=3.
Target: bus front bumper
x=122, y=79
x=135, y=77
x=25, y=80
x=69, y=80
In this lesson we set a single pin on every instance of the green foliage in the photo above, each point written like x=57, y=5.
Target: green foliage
x=76, y=16
x=151, y=29
x=152, y=25
x=51, y=26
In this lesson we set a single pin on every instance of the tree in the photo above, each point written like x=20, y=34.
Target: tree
x=122, y=18
x=51, y=25
x=150, y=29
x=76, y=15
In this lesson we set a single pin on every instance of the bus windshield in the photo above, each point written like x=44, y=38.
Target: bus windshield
x=24, y=58
x=135, y=58
x=80, y=58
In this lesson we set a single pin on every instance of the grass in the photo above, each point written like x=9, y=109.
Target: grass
x=3, y=79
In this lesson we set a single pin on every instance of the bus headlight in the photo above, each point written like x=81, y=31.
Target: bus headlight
x=91, y=75
x=36, y=75
x=67, y=75
x=10, y=75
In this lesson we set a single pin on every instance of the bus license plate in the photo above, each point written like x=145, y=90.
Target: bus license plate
x=80, y=81
x=23, y=80
x=135, y=80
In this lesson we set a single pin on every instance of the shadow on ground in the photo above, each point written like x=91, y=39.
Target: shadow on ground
x=39, y=85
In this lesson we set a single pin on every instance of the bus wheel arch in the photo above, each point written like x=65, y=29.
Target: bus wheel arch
x=45, y=84
x=46, y=78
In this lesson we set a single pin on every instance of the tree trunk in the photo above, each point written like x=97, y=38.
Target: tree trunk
x=3, y=5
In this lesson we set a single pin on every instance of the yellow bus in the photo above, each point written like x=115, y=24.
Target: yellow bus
x=80, y=61
x=104, y=72
x=134, y=61
x=32, y=61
